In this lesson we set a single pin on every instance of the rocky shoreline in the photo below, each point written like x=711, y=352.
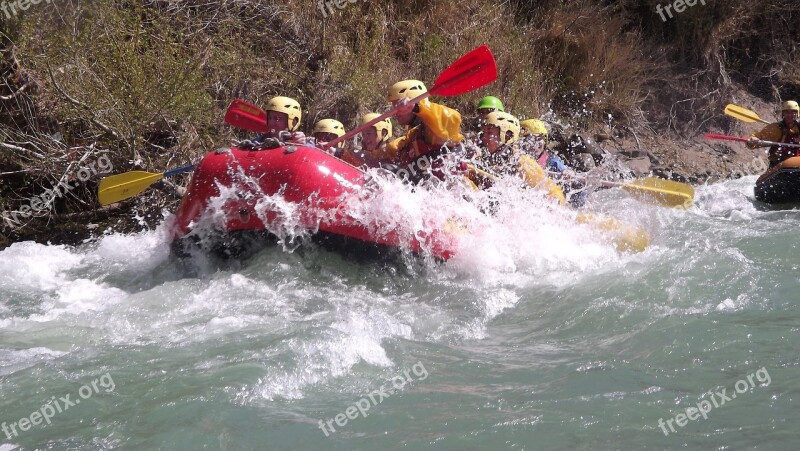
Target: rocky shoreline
x=695, y=161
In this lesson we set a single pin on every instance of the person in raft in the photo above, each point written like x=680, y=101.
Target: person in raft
x=488, y=104
x=500, y=156
x=325, y=131
x=534, y=140
x=283, y=122
x=434, y=131
x=374, y=152
x=786, y=131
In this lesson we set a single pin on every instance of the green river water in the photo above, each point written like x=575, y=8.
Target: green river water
x=536, y=336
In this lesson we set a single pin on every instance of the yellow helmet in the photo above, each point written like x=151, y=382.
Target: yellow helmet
x=406, y=89
x=534, y=127
x=329, y=126
x=790, y=105
x=288, y=106
x=385, y=124
x=507, y=123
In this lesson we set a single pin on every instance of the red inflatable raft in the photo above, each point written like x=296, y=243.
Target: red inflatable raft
x=314, y=182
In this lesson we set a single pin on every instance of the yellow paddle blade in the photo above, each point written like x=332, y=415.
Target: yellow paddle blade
x=661, y=192
x=625, y=237
x=743, y=114
x=123, y=186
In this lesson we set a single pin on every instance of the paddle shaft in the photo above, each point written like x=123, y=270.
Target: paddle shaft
x=606, y=183
x=473, y=70
x=453, y=77
x=179, y=170
x=369, y=124
x=744, y=140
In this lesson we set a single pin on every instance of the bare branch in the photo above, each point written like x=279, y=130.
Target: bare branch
x=77, y=102
x=16, y=93
x=21, y=149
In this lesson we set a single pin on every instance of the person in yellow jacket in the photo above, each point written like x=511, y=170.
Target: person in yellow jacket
x=374, y=150
x=434, y=130
x=533, y=141
x=501, y=157
x=786, y=131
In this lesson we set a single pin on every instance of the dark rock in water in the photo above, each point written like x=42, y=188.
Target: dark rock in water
x=583, y=162
x=631, y=153
x=593, y=148
x=653, y=158
x=600, y=137
x=579, y=144
x=669, y=174
x=639, y=166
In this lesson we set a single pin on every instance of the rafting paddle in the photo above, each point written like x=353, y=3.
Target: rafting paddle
x=664, y=192
x=119, y=187
x=473, y=70
x=744, y=140
x=668, y=193
x=246, y=116
x=743, y=114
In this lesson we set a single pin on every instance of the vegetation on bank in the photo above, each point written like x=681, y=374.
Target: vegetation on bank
x=146, y=82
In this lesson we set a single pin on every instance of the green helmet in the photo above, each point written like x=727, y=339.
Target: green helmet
x=491, y=102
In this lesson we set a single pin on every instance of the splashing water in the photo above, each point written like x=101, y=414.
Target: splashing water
x=537, y=334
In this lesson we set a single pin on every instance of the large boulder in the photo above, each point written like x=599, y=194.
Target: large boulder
x=639, y=166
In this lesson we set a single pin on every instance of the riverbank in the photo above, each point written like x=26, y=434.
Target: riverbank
x=150, y=91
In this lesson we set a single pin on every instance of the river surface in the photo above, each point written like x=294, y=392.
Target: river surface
x=537, y=335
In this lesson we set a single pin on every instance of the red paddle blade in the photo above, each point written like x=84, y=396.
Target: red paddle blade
x=473, y=70
x=725, y=137
x=246, y=116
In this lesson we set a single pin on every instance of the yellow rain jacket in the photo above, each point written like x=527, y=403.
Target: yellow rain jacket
x=440, y=126
x=530, y=170
x=526, y=167
x=778, y=132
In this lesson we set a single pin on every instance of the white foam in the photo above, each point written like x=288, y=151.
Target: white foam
x=330, y=329
x=15, y=360
x=33, y=266
x=141, y=251
x=730, y=199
